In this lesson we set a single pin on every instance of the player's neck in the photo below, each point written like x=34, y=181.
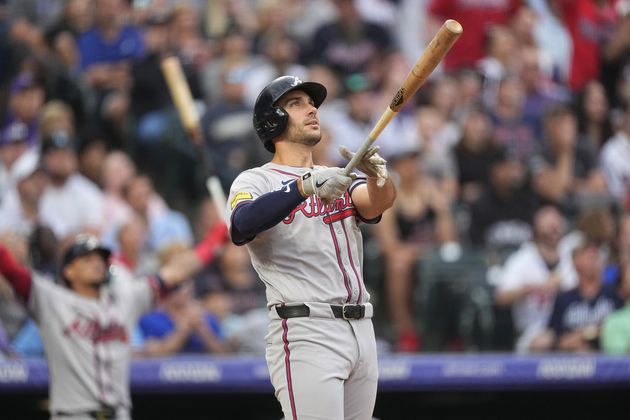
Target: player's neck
x=296, y=155
x=87, y=291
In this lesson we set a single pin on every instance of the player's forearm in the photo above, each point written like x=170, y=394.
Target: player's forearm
x=256, y=216
x=373, y=200
x=18, y=276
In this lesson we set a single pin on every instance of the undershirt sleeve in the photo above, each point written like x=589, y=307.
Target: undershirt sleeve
x=249, y=218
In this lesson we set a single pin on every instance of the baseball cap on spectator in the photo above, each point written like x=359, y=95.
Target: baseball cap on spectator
x=357, y=82
x=57, y=140
x=14, y=132
x=24, y=81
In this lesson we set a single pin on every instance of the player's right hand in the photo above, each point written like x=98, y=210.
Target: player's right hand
x=328, y=184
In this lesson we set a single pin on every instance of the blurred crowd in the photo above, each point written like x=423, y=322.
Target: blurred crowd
x=510, y=230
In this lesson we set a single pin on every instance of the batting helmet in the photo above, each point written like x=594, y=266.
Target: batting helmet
x=82, y=245
x=271, y=120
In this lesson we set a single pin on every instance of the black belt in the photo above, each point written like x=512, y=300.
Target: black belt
x=340, y=311
x=105, y=413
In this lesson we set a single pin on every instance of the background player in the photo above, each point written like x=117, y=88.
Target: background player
x=86, y=327
x=300, y=223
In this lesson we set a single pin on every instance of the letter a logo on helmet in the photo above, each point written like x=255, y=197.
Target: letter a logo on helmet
x=271, y=120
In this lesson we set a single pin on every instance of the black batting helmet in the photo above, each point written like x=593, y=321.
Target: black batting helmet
x=82, y=245
x=271, y=120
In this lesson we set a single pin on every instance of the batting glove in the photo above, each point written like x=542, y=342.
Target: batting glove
x=372, y=164
x=328, y=184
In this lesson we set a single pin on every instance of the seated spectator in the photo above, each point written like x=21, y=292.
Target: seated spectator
x=512, y=128
x=615, y=334
x=181, y=325
x=530, y=280
x=131, y=253
x=165, y=224
x=501, y=217
x=19, y=209
x=565, y=172
x=13, y=145
x=26, y=100
x=420, y=220
x=578, y=314
x=71, y=203
x=472, y=154
x=117, y=170
x=614, y=158
x=437, y=138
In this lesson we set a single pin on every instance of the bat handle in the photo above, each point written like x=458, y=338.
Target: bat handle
x=358, y=155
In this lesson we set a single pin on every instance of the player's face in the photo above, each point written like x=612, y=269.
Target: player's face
x=303, y=125
x=89, y=269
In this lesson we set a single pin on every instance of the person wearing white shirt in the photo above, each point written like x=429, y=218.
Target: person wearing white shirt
x=530, y=280
x=71, y=203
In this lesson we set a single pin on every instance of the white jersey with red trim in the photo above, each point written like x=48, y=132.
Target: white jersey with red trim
x=316, y=253
x=87, y=341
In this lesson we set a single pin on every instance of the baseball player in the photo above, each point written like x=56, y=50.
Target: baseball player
x=301, y=226
x=86, y=323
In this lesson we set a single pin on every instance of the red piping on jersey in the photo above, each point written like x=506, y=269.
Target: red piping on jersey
x=331, y=218
x=287, y=365
x=285, y=173
x=345, y=232
x=346, y=279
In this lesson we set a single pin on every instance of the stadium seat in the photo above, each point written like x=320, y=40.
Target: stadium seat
x=454, y=302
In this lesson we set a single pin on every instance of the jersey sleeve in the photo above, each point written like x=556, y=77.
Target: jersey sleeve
x=139, y=295
x=44, y=296
x=248, y=186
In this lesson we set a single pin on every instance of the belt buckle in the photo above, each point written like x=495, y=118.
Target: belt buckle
x=343, y=311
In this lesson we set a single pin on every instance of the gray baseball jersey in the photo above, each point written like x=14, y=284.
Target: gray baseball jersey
x=313, y=256
x=87, y=342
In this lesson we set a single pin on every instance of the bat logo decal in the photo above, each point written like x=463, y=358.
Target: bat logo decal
x=398, y=100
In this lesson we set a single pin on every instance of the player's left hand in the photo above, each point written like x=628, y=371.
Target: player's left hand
x=372, y=164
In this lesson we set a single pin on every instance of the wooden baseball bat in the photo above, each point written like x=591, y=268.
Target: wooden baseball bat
x=180, y=92
x=182, y=97
x=422, y=69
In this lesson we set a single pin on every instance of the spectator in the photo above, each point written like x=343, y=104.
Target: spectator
x=131, y=254
x=511, y=127
x=26, y=99
x=165, y=224
x=501, y=217
x=541, y=91
x=71, y=203
x=279, y=56
x=530, y=279
x=565, y=173
x=578, y=314
x=420, y=220
x=349, y=44
x=181, y=325
x=19, y=210
x=117, y=170
x=477, y=18
x=438, y=136
x=106, y=51
x=472, y=153
x=590, y=25
x=13, y=146
x=230, y=140
x=615, y=334
x=594, y=117
x=614, y=158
